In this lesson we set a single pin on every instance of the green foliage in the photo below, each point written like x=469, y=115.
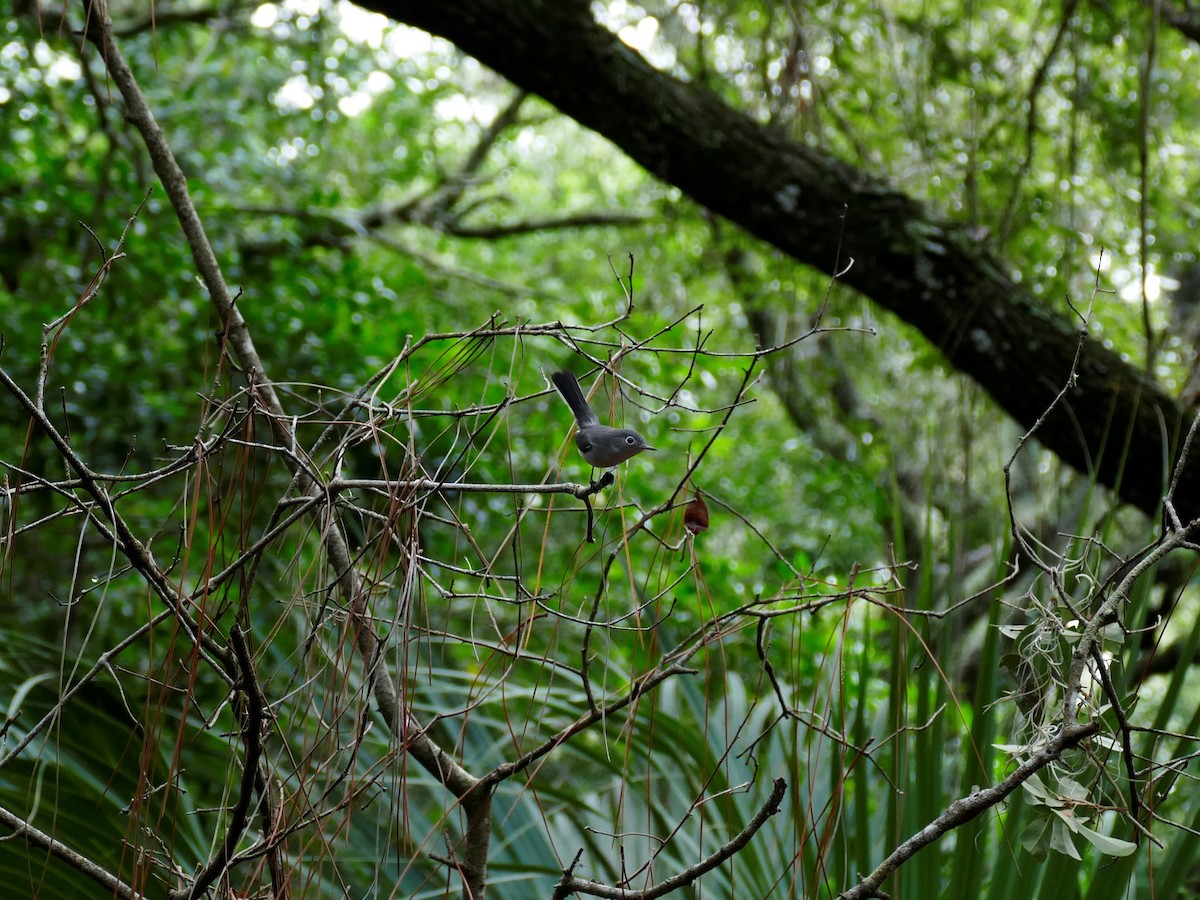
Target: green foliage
x=859, y=486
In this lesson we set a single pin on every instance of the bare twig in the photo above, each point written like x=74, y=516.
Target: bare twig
x=22, y=829
x=569, y=884
x=967, y=808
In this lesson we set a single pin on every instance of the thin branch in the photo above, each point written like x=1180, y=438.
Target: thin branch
x=1146, y=96
x=164, y=16
x=103, y=664
x=337, y=230
x=967, y=808
x=23, y=830
x=253, y=707
x=1035, y=91
x=569, y=884
x=129, y=545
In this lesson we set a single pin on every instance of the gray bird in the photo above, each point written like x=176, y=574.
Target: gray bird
x=599, y=445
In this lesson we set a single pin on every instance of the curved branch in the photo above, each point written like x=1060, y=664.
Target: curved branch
x=79, y=862
x=569, y=884
x=967, y=808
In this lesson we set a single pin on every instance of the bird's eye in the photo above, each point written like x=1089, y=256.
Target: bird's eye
x=629, y=439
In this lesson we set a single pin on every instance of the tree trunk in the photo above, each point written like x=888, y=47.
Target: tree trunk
x=1115, y=421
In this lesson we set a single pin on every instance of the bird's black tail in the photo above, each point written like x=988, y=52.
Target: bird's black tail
x=568, y=387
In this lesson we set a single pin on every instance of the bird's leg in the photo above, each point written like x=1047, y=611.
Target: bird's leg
x=605, y=480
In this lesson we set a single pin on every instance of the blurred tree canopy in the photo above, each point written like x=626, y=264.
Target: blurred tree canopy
x=298, y=594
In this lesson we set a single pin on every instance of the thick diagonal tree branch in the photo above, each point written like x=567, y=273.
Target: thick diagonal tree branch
x=1116, y=420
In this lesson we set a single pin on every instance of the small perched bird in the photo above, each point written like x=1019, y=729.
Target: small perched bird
x=599, y=445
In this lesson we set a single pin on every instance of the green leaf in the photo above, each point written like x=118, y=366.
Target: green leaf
x=1105, y=843
x=1060, y=839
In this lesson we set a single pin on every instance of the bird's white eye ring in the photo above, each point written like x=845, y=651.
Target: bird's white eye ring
x=629, y=439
